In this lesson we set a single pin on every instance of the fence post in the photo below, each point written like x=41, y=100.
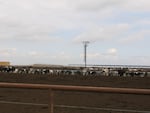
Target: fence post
x=51, y=101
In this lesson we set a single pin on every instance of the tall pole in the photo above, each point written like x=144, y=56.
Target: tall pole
x=85, y=43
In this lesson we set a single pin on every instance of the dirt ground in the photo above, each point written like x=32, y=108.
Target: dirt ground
x=68, y=101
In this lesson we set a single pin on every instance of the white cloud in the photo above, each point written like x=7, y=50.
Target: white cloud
x=42, y=57
x=143, y=22
x=37, y=20
x=8, y=52
x=52, y=21
x=102, y=33
x=112, y=51
x=101, y=58
x=36, y=54
x=137, y=5
x=94, y=5
x=33, y=57
x=32, y=20
x=136, y=36
x=101, y=5
x=61, y=56
x=13, y=30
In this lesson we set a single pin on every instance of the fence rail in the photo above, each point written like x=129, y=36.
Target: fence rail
x=51, y=89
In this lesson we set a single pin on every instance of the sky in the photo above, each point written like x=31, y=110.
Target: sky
x=53, y=31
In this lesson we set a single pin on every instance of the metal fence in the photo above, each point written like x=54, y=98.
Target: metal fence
x=52, y=88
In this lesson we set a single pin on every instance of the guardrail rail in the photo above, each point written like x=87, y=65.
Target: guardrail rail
x=52, y=88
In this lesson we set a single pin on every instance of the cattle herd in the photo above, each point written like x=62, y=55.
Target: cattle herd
x=92, y=71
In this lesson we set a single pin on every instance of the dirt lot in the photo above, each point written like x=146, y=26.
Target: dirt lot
x=93, y=102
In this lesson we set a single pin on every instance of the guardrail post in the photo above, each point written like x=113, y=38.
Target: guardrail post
x=51, y=101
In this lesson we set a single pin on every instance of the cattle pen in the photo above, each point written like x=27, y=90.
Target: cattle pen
x=52, y=88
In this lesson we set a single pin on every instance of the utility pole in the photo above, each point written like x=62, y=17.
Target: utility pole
x=85, y=43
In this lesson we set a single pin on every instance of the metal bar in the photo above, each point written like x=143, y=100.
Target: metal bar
x=51, y=104
x=78, y=88
x=74, y=88
x=76, y=107
x=101, y=109
x=23, y=103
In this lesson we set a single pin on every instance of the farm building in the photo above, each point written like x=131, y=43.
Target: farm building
x=4, y=63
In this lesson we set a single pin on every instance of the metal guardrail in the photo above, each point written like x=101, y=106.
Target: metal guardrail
x=51, y=89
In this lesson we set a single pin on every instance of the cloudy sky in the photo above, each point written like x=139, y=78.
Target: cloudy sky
x=52, y=31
